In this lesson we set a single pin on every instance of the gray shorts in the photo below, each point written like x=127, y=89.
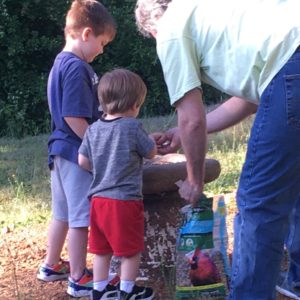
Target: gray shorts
x=69, y=187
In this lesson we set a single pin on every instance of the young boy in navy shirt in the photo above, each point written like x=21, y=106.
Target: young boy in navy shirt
x=73, y=104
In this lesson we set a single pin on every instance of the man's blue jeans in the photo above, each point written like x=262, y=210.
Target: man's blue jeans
x=269, y=188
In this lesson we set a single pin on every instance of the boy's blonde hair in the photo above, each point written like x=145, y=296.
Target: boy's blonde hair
x=89, y=13
x=119, y=90
x=147, y=12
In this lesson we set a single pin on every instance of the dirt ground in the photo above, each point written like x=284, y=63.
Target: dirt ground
x=21, y=252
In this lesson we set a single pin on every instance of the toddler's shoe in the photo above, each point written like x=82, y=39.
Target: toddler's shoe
x=109, y=293
x=138, y=293
x=59, y=271
x=81, y=287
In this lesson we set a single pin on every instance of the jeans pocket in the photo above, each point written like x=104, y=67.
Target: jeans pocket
x=292, y=89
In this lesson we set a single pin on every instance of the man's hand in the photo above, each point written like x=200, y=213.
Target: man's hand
x=167, y=142
x=190, y=193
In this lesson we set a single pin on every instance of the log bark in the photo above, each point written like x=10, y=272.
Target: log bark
x=161, y=173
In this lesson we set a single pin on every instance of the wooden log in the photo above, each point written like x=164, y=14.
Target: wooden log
x=161, y=173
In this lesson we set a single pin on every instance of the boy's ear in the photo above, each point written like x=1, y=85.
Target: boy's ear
x=85, y=33
x=153, y=33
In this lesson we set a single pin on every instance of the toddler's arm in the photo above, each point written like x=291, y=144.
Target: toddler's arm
x=153, y=152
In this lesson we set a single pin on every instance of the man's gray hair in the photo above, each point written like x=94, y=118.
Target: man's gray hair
x=147, y=12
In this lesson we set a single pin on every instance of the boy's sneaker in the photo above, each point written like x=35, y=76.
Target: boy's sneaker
x=287, y=289
x=59, y=271
x=138, y=293
x=109, y=293
x=114, y=279
x=81, y=287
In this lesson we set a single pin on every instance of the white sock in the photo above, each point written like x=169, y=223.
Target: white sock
x=100, y=285
x=127, y=286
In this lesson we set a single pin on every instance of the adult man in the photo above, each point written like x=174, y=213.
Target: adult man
x=247, y=49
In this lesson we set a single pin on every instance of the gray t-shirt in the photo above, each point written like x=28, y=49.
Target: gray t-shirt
x=115, y=149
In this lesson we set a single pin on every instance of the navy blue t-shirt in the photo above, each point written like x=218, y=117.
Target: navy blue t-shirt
x=72, y=92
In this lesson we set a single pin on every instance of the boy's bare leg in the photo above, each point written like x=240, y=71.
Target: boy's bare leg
x=77, y=249
x=101, y=267
x=56, y=238
x=130, y=267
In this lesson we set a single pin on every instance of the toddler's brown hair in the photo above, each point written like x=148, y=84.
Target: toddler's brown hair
x=119, y=90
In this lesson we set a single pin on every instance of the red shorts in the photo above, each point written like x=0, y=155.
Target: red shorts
x=117, y=227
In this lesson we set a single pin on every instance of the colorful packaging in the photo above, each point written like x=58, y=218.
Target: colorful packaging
x=202, y=266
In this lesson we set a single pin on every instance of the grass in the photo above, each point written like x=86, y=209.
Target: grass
x=24, y=181
x=229, y=148
x=24, y=176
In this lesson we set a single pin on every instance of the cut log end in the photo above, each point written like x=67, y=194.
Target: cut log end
x=161, y=173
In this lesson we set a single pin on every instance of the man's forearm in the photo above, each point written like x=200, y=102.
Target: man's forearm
x=193, y=141
x=192, y=128
x=231, y=112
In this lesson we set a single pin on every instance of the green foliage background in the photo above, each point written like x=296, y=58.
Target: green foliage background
x=31, y=35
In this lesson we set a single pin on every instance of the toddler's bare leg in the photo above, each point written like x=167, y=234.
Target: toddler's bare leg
x=130, y=267
x=101, y=267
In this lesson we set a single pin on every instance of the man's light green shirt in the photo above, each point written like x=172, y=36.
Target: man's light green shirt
x=236, y=46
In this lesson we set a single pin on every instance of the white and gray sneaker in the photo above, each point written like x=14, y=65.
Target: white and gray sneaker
x=111, y=292
x=287, y=289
